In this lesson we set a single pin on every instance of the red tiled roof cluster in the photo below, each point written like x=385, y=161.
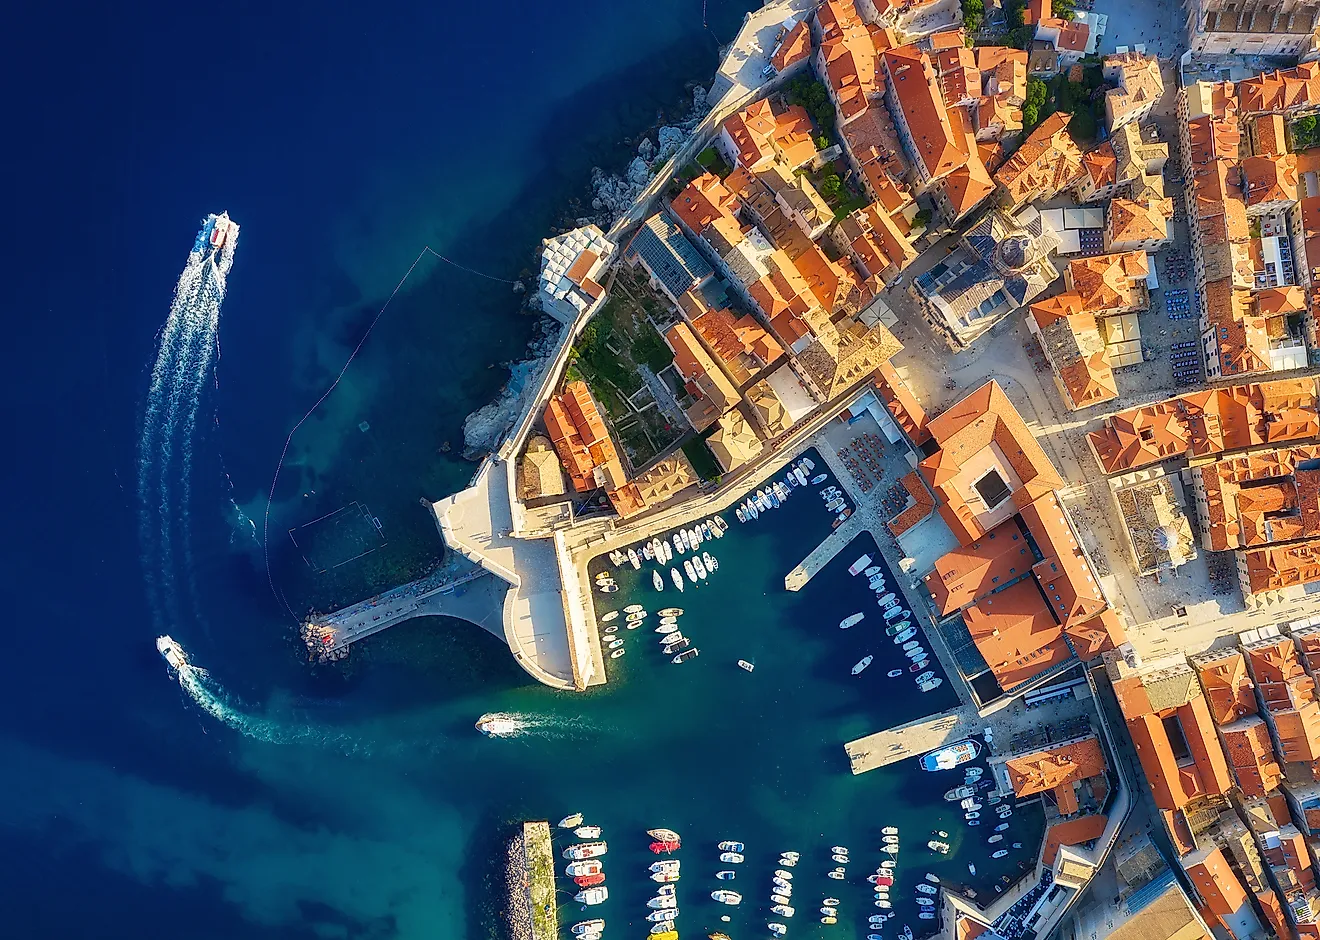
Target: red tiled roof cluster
x=923, y=504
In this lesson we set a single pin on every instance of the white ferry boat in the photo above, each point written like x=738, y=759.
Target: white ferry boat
x=946, y=758
x=859, y=565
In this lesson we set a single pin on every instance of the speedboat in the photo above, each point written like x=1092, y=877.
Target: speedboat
x=665, y=891
x=700, y=567
x=851, y=620
x=972, y=814
x=930, y=685
x=585, y=867
x=911, y=645
x=891, y=849
x=634, y=609
x=777, y=929
x=686, y=655
x=971, y=868
x=894, y=629
x=872, y=571
x=890, y=830
x=883, y=904
x=608, y=587
x=958, y=793
x=712, y=563
x=571, y=822
x=917, y=653
x=925, y=903
x=729, y=846
x=894, y=673
x=704, y=528
x=925, y=676
x=786, y=875
x=686, y=539
x=973, y=774
x=889, y=840
x=862, y=664
x=889, y=864
x=594, y=895
x=790, y=858
x=919, y=665
x=586, y=849
x=615, y=643
x=678, y=543
x=800, y=475
x=660, y=902
x=887, y=600
x=587, y=832
x=905, y=636
x=858, y=566
x=661, y=916
x=732, y=858
x=665, y=876
x=726, y=897
x=633, y=559
x=927, y=889
x=668, y=864
x=836, y=874
x=744, y=664
x=819, y=478
x=612, y=615
x=932, y=878
x=777, y=898
x=896, y=612
x=1002, y=827
x=663, y=835
x=783, y=910
x=831, y=902
x=840, y=858
x=648, y=552
x=726, y=875
x=588, y=926
x=659, y=846
x=739, y=513
x=829, y=919
x=658, y=581
x=997, y=837
x=782, y=883
x=829, y=911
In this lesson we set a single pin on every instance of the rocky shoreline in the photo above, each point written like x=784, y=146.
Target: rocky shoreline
x=611, y=196
x=518, y=906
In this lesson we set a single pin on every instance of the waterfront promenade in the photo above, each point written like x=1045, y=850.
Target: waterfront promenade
x=916, y=737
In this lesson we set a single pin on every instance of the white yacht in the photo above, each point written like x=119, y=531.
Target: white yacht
x=174, y=655
x=851, y=621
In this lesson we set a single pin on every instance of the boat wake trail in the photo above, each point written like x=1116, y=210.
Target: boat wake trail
x=184, y=359
x=521, y=725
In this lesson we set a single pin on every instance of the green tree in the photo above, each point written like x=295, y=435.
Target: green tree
x=1030, y=116
x=1036, y=92
x=1082, y=126
x=1022, y=37
x=830, y=185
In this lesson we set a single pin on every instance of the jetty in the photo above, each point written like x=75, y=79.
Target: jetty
x=540, y=869
x=860, y=521
x=457, y=588
x=912, y=739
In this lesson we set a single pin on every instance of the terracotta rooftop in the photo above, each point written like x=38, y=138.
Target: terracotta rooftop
x=1240, y=335
x=1276, y=567
x=1071, y=831
x=1044, y=165
x=1070, y=586
x=794, y=47
x=968, y=186
x=1100, y=634
x=984, y=428
x=1228, y=689
x=1058, y=769
x=1110, y=283
x=1016, y=634
x=1101, y=165
x=1269, y=135
x=923, y=504
x=584, y=446
x=1139, y=83
x=938, y=146
x=1251, y=755
x=1271, y=179
x=1283, y=92
x=1215, y=881
x=971, y=571
x=848, y=53
x=1256, y=498
x=1072, y=342
x=704, y=200
x=1208, y=422
x=1139, y=221
x=760, y=135
x=705, y=381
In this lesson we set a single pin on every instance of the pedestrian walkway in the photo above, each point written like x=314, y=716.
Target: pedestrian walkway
x=916, y=737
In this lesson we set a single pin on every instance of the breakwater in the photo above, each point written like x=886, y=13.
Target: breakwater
x=530, y=876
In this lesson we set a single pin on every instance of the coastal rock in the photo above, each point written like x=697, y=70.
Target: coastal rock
x=671, y=140
x=484, y=428
x=646, y=149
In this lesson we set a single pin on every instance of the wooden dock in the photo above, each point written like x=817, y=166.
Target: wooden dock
x=914, y=738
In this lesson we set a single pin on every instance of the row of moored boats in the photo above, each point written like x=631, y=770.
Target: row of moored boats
x=672, y=641
x=898, y=626
x=661, y=551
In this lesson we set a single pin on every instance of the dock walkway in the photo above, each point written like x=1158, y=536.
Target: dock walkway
x=914, y=738
x=541, y=880
x=457, y=588
x=860, y=521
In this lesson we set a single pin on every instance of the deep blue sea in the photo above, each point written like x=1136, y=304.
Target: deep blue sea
x=277, y=800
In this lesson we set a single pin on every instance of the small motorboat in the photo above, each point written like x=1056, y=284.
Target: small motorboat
x=997, y=837
x=612, y=628
x=840, y=858
x=1001, y=827
x=911, y=645
x=700, y=567
x=831, y=902
x=918, y=653
x=905, y=636
x=829, y=911
x=585, y=849
x=926, y=676
x=928, y=889
x=876, y=918
x=894, y=673
x=609, y=587
x=665, y=891
x=862, y=664
x=615, y=654
x=587, y=832
x=571, y=822
x=648, y=551
x=887, y=600
x=660, y=903
x=1000, y=854
x=588, y=926
x=615, y=643
x=851, y=620
x=594, y=895
x=730, y=846
x=894, y=629
x=677, y=578
x=791, y=856
x=930, y=685
x=889, y=864
x=973, y=774
x=667, y=628
x=658, y=581
x=889, y=831
x=783, y=910
x=634, y=609
x=819, y=478
x=659, y=846
x=936, y=846
x=780, y=899
x=919, y=665
x=932, y=878
x=896, y=612
x=686, y=655
x=663, y=835
x=661, y=916
x=973, y=822
x=636, y=617
x=712, y=563
x=891, y=849
x=744, y=664
x=786, y=875
x=671, y=612
x=607, y=617
x=836, y=874
x=782, y=883
x=585, y=867
x=970, y=803
x=829, y=919
x=858, y=566
x=732, y=858
x=668, y=864
x=872, y=571
x=926, y=915
x=777, y=929
x=665, y=876
x=883, y=904
x=971, y=868
x=972, y=814
x=726, y=875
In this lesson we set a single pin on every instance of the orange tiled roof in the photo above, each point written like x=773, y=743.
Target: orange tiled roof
x=1139, y=221
x=937, y=145
x=902, y=403
x=1261, y=497
x=706, y=381
x=1139, y=83
x=981, y=419
x=1058, y=770
x=1037, y=10
x=584, y=446
x=1228, y=689
x=1075, y=349
x=968, y=186
x=704, y=200
x=1101, y=165
x=1269, y=135
x=1100, y=634
x=761, y=135
x=794, y=47
x=1270, y=179
x=1284, y=92
x=1071, y=831
x=1276, y=567
x=974, y=570
x=1251, y=755
x=1015, y=633
x=1110, y=283
x=1044, y=165
x=848, y=52
x=1215, y=881
x=1208, y=422
x=1065, y=576
x=922, y=506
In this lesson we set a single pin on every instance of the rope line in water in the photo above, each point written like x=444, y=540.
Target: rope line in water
x=284, y=452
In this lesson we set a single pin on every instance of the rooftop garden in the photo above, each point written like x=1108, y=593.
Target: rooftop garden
x=620, y=340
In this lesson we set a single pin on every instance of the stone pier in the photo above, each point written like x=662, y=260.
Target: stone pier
x=912, y=739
